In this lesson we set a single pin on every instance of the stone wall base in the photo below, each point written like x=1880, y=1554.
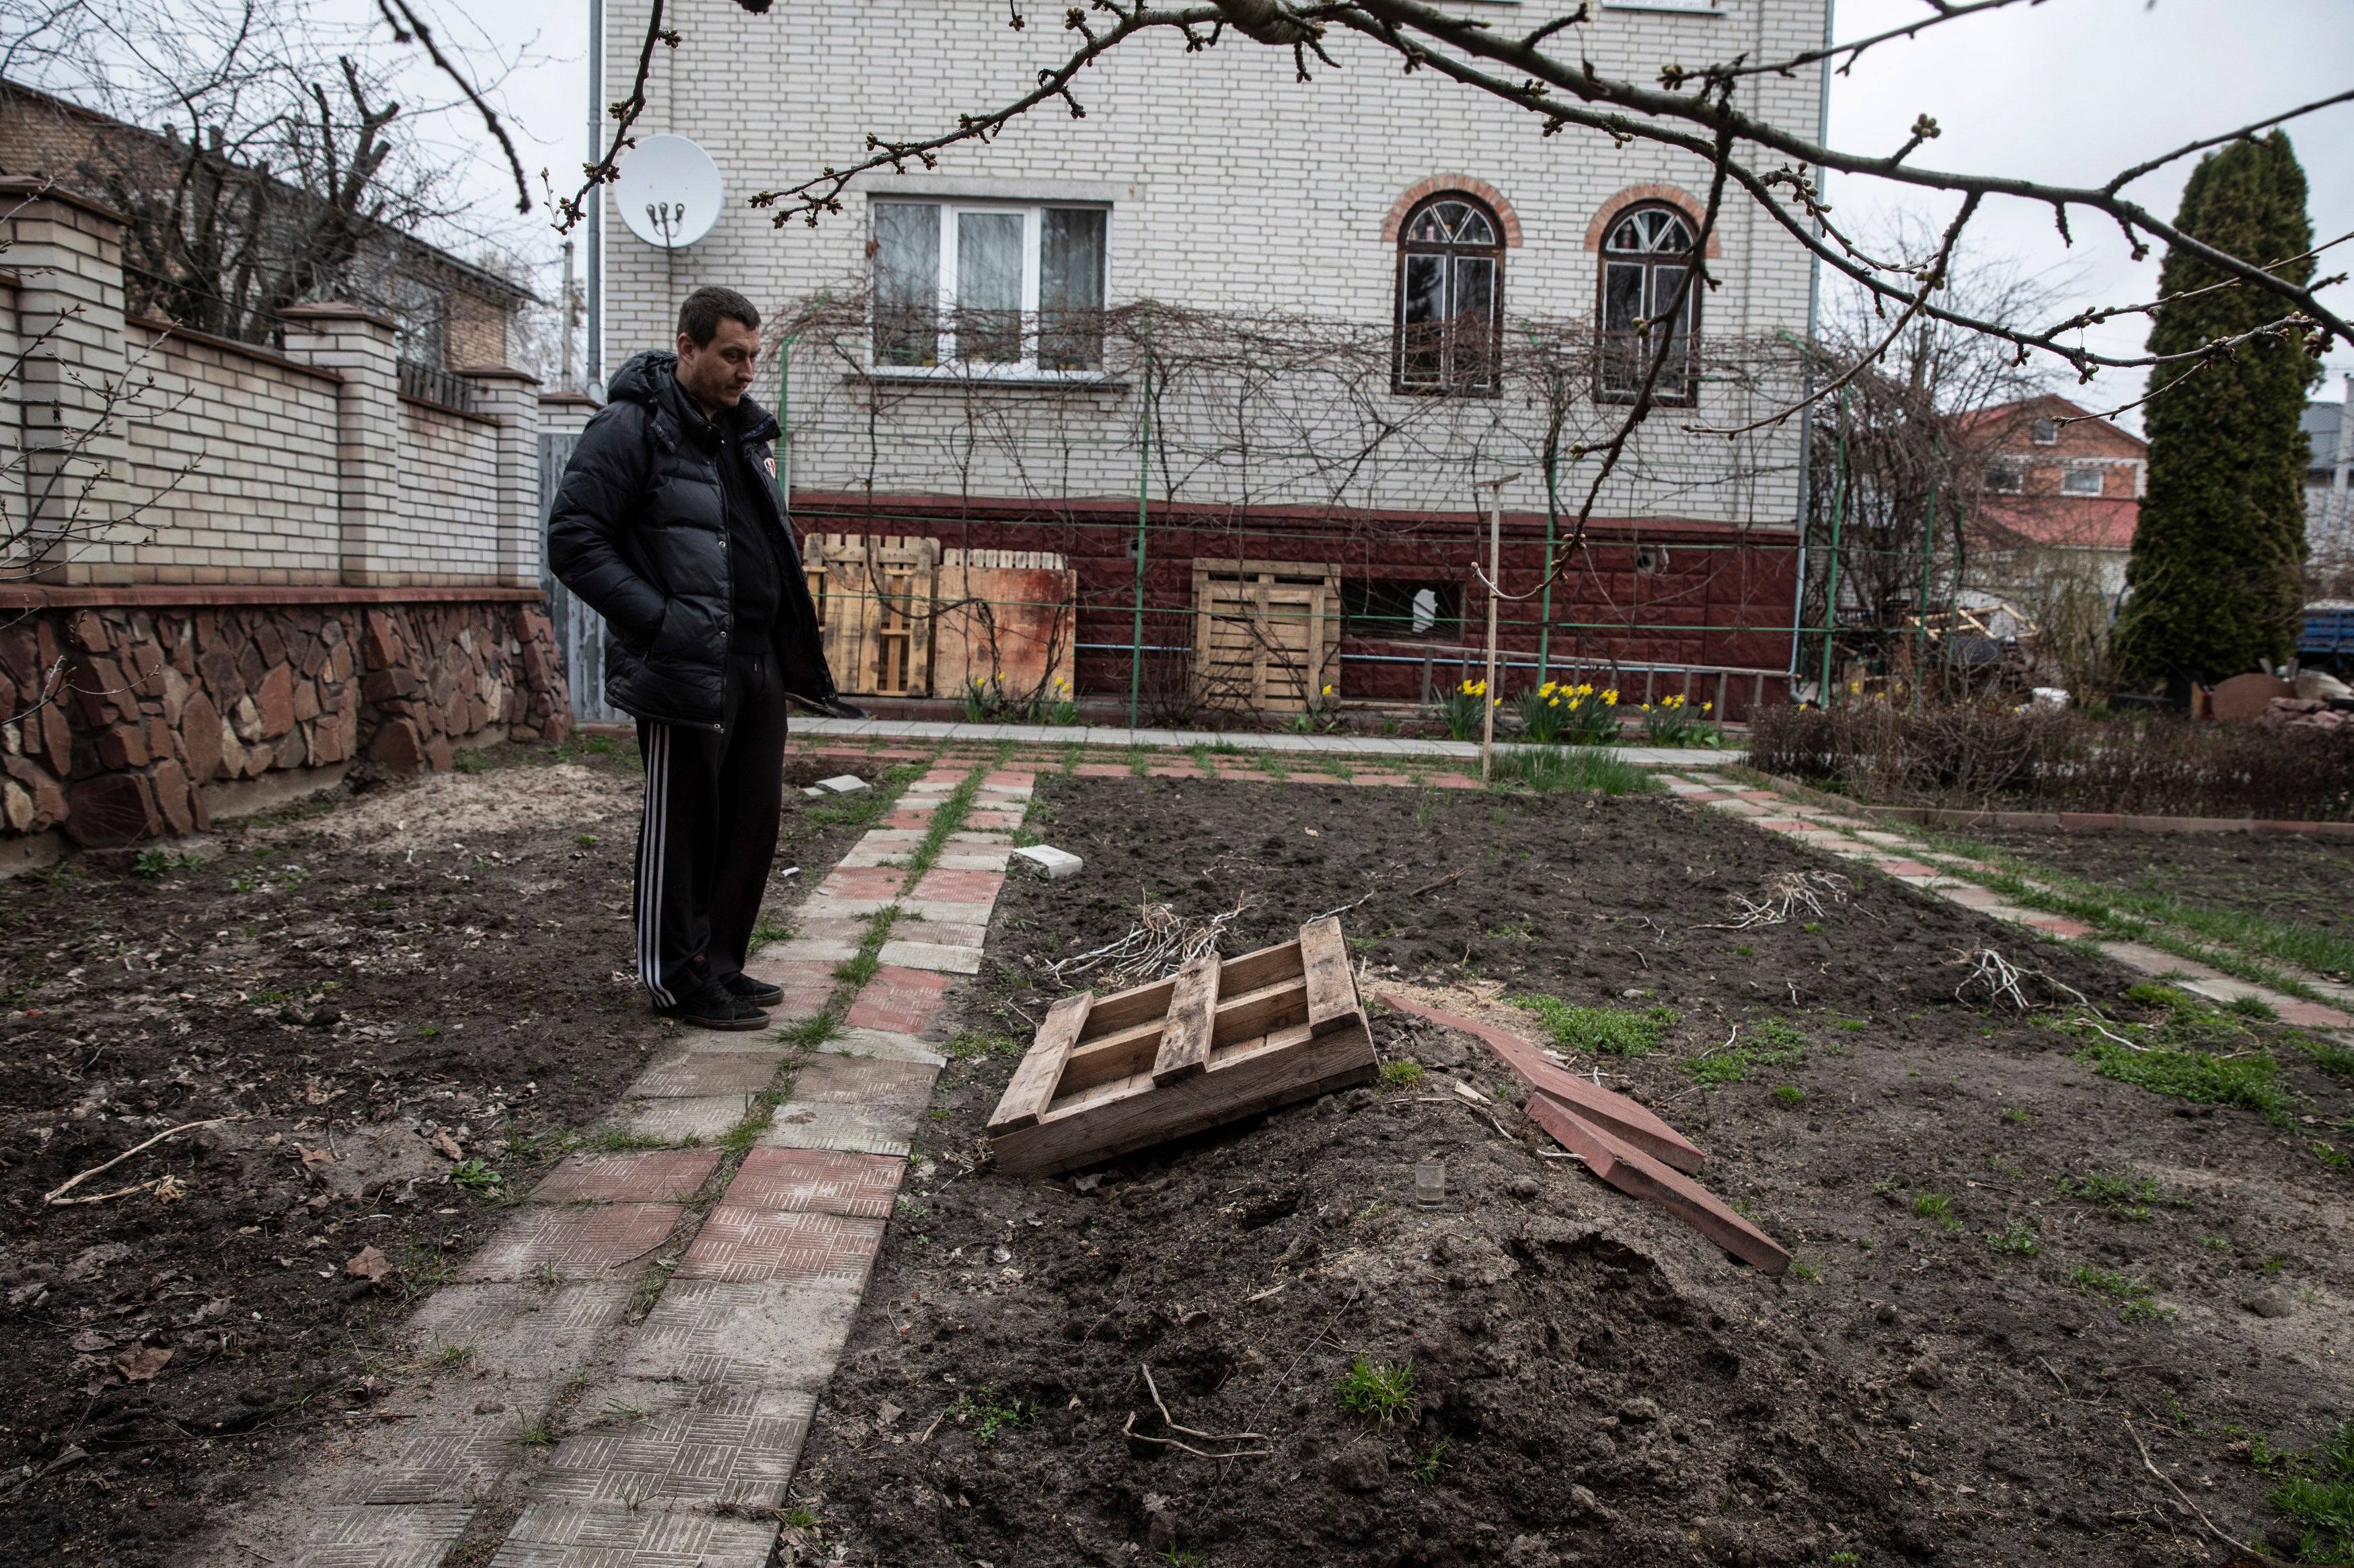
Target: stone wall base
x=137, y=721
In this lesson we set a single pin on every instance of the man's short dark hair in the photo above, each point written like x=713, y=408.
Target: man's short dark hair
x=705, y=309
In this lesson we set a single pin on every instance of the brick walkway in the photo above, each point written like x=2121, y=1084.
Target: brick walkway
x=676, y=1426
x=1900, y=856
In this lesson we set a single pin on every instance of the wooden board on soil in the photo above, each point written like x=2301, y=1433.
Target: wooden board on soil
x=1214, y=1042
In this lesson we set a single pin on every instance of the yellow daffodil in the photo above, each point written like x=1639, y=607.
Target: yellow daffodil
x=1611, y=698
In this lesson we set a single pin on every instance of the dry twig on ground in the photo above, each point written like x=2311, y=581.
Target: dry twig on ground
x=1161, y=943
x=1783, y=895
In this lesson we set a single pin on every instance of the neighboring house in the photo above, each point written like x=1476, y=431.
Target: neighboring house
x=2062, y=493
x=1356, y=303
x=219, y=247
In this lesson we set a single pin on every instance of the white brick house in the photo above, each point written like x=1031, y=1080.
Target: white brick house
x=1225, y=185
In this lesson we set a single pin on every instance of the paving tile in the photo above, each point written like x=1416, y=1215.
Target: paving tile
x=746, y=1244
x=1100, y=770
x=1787, y=825
x=852, y=1081
x=902, y=1000
x=1758, y=795
x=594, y=1535
x=947, y=933
x=685, y=1120
x=646, y=1175
x=453, y=1454
x=906, y=819
x=670, y=1445
x=817, y=1181
x=862, y=882
x=1887, y=839
x=2150, y=960
x=1176, y=771
x=2059, y=925
x=941, y=912
x=1905, y=868
x=807, y=985
x=973, y=860
x=1970, y=896
x=416, y=1535
x=517, y=1335
x=707, y=1071
x=883, y=1043
x=779, y=1334
x=826, y=951
x=934, y=956
x=2312, y=1015
x=873, y=854
x=960, y=886
x=1452, y=781
x=820, y=929
x=575, y=1243
x=863, y=1129
x=1390, y=779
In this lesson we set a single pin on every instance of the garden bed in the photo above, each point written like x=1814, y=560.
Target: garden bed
x=2002, y=1256
x=448, y=958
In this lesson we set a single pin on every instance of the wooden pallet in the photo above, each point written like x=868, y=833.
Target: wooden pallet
x=1215, y=1042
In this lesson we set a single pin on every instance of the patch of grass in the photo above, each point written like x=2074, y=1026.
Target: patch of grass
x=1610, y=1031
x=1801, y=1269
x=1936, y=1208
x=2132, y=1297
x=800, y=1519
x=535, y=1434
x=2249, y=1078
x=2018, y=1114
x=765, y=934
x=475, y=1175
x=2327, y=1055
x=450, y=1357
x=1400, y=1074
x=1770, y=1043
x=1790, y=1094
x=1432, y=1461
x=2016, y=1239
x=2319, y=1494
x=1551, y=768
x=2254, y=1007
x=2167, y=998
x=2130, y=1194
x=980, y=1406
x=156, y=864
x=1746, y=951
x=2215, y=1244
x=2330, y=1154
x=1379, y=1393
x=973, y=1043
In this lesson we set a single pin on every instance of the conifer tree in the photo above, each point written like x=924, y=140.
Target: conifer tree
x=2217, y=562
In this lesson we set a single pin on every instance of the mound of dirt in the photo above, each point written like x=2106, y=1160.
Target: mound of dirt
x=1544, y=1372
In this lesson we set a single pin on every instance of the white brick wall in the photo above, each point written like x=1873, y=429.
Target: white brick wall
x=447, y=520
x=1236, y=189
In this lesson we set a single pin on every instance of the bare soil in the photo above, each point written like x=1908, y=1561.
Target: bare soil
x=358, y=979
x=1591, y=1383
x=2306, y=880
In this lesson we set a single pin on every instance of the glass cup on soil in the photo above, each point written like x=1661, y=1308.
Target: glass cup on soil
x=1430, y=1185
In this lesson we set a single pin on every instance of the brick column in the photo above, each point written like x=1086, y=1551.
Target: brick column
x=357, y=345
x=511, y=397
x=74, y=389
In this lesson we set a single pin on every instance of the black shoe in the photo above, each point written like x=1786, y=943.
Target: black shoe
x=759, y=993
x=709, y=1005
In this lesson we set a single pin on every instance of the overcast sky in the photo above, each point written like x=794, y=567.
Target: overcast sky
x=2066, y=90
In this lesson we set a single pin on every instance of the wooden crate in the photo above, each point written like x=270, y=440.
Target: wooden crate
x=1215, y=1042
x=1005, y=617
x=1267, y=634
x=873, y=598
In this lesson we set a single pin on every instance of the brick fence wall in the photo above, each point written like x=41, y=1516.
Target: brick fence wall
x=243, y=572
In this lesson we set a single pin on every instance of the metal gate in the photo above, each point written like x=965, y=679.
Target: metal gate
x=579, y=630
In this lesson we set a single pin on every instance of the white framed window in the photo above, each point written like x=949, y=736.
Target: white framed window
x=2080, y=481
x=2045, y=433
x=2004, y=478
x=989, y=288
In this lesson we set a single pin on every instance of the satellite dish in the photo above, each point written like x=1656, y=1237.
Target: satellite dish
x=668, y=191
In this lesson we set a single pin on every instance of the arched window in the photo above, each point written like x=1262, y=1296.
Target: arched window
x=1450, y=297
x=1646, y=257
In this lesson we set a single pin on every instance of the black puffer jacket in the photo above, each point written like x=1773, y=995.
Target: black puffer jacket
x=639, y=531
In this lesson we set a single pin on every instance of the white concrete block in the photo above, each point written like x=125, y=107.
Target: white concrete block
x=1055, y=863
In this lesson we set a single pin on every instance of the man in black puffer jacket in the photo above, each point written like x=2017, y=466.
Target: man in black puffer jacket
x=669, y=524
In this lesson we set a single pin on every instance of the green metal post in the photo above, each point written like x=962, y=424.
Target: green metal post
x=1544, y=606
x=1838, y=510
x=1929, y=554
x=1143, y=501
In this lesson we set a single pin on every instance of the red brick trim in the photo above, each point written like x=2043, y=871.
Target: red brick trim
x=162, y=596
x=228, y=345
x=1693, y=207
x=1469, y=187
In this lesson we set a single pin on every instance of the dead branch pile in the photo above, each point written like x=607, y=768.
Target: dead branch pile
x=1162, y=942
x=1785, y=895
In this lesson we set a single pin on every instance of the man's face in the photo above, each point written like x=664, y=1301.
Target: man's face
x=718, y=374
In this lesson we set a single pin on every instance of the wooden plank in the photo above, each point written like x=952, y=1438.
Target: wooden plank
x=1263, y=966
x=1298, y=1066
x=1032, y=1086
x=1125, y=1009
x=1332, y=990
x=1613, y=1112
x=1185, y=1035
x=1639, y=1175
x=1277, y=1006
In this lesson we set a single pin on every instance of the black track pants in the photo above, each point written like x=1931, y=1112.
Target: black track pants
x=709, y=834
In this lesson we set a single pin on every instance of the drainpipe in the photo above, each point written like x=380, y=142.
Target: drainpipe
x=596, y=325
x=2333, y=518
x=1838, y=510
